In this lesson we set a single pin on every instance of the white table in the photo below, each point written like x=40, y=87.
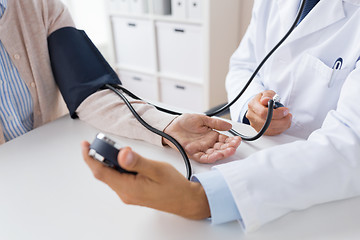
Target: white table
x=47, y=193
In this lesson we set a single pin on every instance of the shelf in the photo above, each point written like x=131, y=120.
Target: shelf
x=176, y=20
x=136, y=70
x=181, y=78
x=185, y=60
x=148, y=16
x=160, y=75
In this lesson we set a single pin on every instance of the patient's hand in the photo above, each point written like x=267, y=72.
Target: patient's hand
x=201, y=142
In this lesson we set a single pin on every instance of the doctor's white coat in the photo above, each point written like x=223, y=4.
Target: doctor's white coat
x=324, y=103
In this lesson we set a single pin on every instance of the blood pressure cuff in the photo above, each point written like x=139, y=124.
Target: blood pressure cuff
x=79, y=68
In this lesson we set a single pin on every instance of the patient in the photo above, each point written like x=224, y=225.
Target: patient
x=31, y=98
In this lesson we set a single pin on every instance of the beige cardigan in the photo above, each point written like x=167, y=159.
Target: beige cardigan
x=24, y=29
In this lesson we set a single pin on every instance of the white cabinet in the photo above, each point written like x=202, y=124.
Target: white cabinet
x=181, y=94
x=180, y=49
x=182, y=56
x=139, y=6
x=142, y=85
x=134, y=43
x=120, y=5
x=194, y=9
x=178, y=8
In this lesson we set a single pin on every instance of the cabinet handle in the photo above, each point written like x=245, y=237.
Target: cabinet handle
x=180, y=87
x=137, y=79
x=179, y=30
x=132, y=24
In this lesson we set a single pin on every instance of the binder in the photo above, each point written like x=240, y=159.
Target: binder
x=162, y=7
x=179, y=8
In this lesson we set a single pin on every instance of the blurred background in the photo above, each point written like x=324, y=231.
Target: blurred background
x=171, y=51
x=91, y=16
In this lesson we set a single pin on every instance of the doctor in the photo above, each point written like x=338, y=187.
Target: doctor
x=317, y=73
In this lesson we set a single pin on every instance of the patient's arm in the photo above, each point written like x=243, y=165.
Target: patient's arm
x=107, y=112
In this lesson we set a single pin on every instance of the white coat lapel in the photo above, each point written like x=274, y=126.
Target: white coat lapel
x=324, y=14
x=287, y=10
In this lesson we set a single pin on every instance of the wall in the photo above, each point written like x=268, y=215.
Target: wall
x=246, y=10
x=90, y=15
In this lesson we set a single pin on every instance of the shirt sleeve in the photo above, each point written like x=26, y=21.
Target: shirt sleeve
x=222, y=205
x=324, y=168
x=56, y=15
x=107, y=112
x=243, y=63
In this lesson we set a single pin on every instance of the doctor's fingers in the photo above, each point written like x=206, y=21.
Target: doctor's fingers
x=99, y=170
x=128, y=160
x=279, y=126
x=280, y=113
x=266, y=96
x=256, y=108
x=153, y=170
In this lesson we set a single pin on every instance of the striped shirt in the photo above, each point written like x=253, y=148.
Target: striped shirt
x=16, y=106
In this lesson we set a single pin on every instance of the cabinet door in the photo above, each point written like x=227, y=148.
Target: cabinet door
x=194, y=9
x=180, y=50
x=142, y=85
x=119, y=6
x=134, y=43
x=139, y=6
x=183, y=95
x=178, y=8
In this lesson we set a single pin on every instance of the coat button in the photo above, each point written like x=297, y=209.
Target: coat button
x=32, y=84
x=17, y=56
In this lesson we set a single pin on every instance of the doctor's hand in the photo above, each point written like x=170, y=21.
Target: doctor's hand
x=257, y=112
x=157, y=185
x=196, y=134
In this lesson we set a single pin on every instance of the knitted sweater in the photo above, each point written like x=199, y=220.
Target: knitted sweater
x=24, y=29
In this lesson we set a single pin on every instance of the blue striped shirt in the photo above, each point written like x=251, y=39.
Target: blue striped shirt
x=16, y=106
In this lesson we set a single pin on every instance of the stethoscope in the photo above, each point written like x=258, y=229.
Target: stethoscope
x=272, y=104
